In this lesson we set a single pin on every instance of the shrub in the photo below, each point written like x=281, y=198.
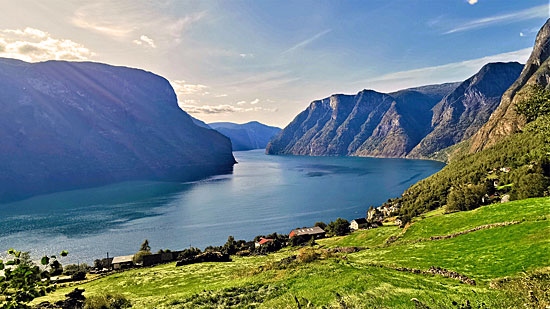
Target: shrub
x=138, y=257
x=107, y=301
x=320, y=224
x=307, y=255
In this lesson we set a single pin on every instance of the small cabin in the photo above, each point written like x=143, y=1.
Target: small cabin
x=262, y=242
x=122, y=262
x=358, y=223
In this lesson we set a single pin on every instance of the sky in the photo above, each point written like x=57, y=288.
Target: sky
x=266, y=60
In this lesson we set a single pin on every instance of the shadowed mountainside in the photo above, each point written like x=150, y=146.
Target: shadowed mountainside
x=67, y=125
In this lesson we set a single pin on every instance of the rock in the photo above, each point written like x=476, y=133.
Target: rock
x=505, y=198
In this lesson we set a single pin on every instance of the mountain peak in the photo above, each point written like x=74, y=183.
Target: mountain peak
x=505, y=121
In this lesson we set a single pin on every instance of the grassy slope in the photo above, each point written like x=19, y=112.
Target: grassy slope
x=482, y=255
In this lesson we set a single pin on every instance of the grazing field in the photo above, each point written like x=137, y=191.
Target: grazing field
x=505, y=262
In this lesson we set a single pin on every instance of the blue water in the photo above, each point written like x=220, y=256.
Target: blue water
x=264, y=194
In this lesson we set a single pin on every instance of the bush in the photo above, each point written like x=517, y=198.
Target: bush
x=72, y=269
x=307, y=255
x=107, y=301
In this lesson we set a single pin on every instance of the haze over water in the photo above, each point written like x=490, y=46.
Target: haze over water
x=264, y=194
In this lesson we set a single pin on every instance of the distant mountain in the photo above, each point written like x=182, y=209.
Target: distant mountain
x=462, y=112
x=66, y=125
x=200, y=123
x=505, y=121
x=246, y=136
x=412, y=123
x=366, y=124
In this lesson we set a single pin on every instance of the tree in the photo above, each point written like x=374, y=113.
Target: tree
x=145, y=246
x=465, y=197
x=320, y=224
x=21, y=283
x=230, y=246
x=535, y=103
x=531, y=185
x=339, y=227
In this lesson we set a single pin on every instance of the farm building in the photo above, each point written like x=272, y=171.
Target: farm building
x=121, y=262
x=308, y=232
x=358, y=223
x=262, y=241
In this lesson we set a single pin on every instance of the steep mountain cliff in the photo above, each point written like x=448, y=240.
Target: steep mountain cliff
x=246, y=136
x=67, y=125
x=367, y=124
x=505, y=121
x=462, y=112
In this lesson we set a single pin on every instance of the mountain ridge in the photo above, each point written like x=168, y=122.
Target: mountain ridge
x=246, y=136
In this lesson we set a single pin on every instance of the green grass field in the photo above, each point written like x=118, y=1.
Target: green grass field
x=366, y=279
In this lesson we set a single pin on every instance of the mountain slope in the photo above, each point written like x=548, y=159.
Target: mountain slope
x=505, y=121
x=67, y=125
x=462, y=112
x=246, y=136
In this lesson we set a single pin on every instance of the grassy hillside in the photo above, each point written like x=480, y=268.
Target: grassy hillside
x=519, y=252
x=526, y=154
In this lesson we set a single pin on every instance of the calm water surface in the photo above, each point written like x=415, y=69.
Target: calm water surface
x=264, y=194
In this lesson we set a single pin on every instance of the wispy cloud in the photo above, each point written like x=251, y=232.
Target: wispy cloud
x=222, y=109
x=147, y=40
x=32, y=45
x=255, y=101
x=450, y=72
x=472, y=2
x=540, y=11
x=307, y=41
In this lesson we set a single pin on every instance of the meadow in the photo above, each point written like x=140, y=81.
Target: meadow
x=507, y=263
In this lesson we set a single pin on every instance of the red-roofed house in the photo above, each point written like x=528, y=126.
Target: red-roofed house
x=262, y=241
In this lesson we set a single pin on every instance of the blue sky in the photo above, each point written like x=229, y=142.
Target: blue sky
x=267, y=60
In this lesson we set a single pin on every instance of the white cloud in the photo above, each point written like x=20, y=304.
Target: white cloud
x=182, y=88
x=521, y=34
x=307, y=41
x=241, y=103
x=145, y=39
x=223, y=95
x=222, y=109
x=456, y=71
x=255, y=101
x=34, y=45
x=472, y=2
x=246, y=55
x=540, y=11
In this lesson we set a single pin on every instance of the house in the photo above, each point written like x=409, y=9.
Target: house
x=121, y=262
x=308, y=232
x=358, y=223
x=262, y=241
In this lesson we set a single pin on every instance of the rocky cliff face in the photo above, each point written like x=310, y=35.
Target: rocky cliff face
x=67, y=125
x=505, y=121
x=246, y=136
x=463, y=111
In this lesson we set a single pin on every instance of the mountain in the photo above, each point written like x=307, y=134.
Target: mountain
x=463, y=111
x=369, y=123
x=200, y=123
x=246, y=136
x=67, y=125
x=505, y=121
x=413, y=123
